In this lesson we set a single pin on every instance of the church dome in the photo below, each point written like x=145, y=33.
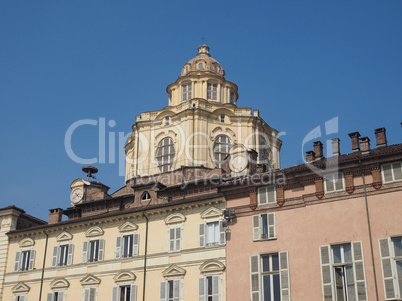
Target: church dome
x=203, y=62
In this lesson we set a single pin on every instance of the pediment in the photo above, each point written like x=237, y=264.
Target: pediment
x=128, y=226
x=20, y=287
x=27, y=242
x=90, y=280
x=212, y=266
x=124, y=276
x=211, y=212
x=174, y=271
x=64, y=236
x=94, y=231
x=59, y=283
x=217, y=129
x=175, y=218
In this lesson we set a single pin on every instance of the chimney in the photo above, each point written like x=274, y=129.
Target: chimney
x=365, y=144
x=55, y=215
x=318, y=149
x=380, y=137
x=335, y=147
x=310, y=156
x=355, y=141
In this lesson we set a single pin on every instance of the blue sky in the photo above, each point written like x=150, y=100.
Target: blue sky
x=301, y=63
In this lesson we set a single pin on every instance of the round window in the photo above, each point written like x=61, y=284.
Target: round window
x=201, y=66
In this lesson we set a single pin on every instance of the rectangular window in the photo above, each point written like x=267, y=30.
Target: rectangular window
x=125, y=293
x=264, y=226
x=391, y=262
x=56, y=296
x=232, y=97
x=270, y=277
x=212, y=91
x=62, y=255
x=267, y=195
x=24, y=260
x=93, y=250
x=342, y=271
x=186, y=92
x=127, y=246
x=170, y=290
x=391, y=172
x=90, y=294
x=334, y=183
x=20, y=298
x=209, y=288
x=175, y=239
x=212, y=234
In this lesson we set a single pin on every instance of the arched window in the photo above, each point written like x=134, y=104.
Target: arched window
x=221, y=149
x=165, y=154
x=264, y=153
x=146, y=196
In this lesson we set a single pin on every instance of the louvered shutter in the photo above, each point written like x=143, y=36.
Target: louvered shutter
x=387, y=173
x=329, y=184
x=271, y=195
x=388, y=274
x=92, y=295
x=201, y=236
x=202, y=289
x=262, y=195
x=136, y=242
x=216, y=288
x=101, y=249
x=86, y=294
x=326, y=273
x=222, y=233
x=61, y=296
x=164, y=291
x=115, y=293
x=49, y=297
x=17, y=261
x=256, y=227
x=178, y=239
x=176, y=289
x=23, y=298
x=358, y=266
x=284, y=274
x=54, y=257
x=70, y=254
x=271, y=225
x=171, y=239
x=118, y=252
x=85, y=252
x=397, y=171
x=58, y=256
x=133, y=292
x=31, y=260
x=255, y=277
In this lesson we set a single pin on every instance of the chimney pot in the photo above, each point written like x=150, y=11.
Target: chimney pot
x=380, y=137
x=365, y=144
x=55, y=215
x=310, y=156
x=355, y=141
x=335, y=147
x=318, y=149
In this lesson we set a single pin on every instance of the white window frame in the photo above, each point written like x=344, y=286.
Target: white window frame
x=203, y=235
x=20, y=297
x=390, y=277
x=68, y=257
x=212, y=91
x=27, y=265
x=116, y=294
x=86, y=251
x=394, y=169
x=258, y=226
x=176, y=285
x=203, y=288
x=186, y=91
x=121, y=245
x=334, y=178
x=265, y=195
x=175, y=242
x=89, y=292
x=61, y=296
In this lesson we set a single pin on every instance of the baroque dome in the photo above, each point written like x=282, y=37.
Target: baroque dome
x=203, y=62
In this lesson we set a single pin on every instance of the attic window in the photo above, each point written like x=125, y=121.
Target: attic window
x=146, y=196
x=167, y=121
x=222, y=118
x=201, y=66
x=186, y=68
x=216, y=68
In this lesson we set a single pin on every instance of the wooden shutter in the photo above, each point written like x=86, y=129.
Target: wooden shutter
x=23, y=298
x=329, y=184
x=256, y=227
x=172, y=239
x=201, y=236
x=284, y=274
x=164, y=291
x=255, y=277
x=216, y=288
x=101, y=249
x=54, y=257
x=262, y=195
x=133, y=292
x=17, y=261
x=222, y=233
x=271, y=225
x=31, y=260
x=49, y=297
x=118, y=252
x=271, y=197
x=388, y=273
x=358, y=267
x=326, y=273
x=61, y=296
x=339, y=182
x=86, y=294
x=387, y=173
x=85, y=253
x=116, y=293
x=397, y=171
x=176, y=289
x=178, y=239
x=70, y=254
x=202, y=289
x=136, y=242
x=92, y=294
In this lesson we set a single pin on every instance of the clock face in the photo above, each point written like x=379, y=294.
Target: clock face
x=238, y=163
x=76, y=195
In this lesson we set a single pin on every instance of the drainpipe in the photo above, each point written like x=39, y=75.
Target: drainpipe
x=145, y=255
x=193, y=135
x=43, y=267
x=369, y=228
